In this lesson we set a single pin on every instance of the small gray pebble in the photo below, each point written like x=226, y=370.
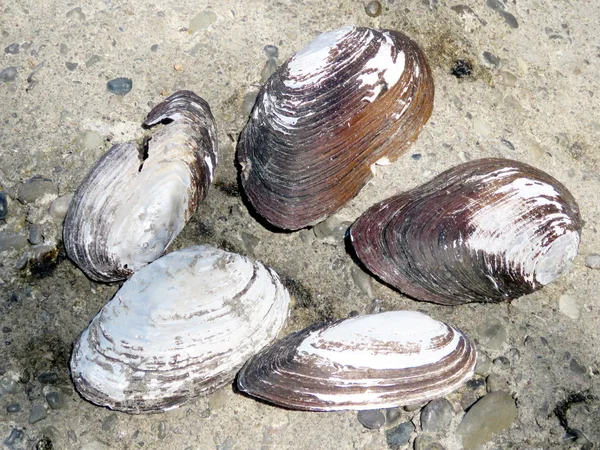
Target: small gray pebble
x=8, y=75
x=271, y=51
x=437, y=415
x=392, y=415
x=154, y=48
x=250, y=241
x=3, y=205
x=416, y=156
x=372, y=418
x=59, y=207
x=12, y=49
x=37, y=413
x=162, y=430
x=411, y=408
x=120, y=86
x=577, y=368
x=269, y=69
x=71, y=66
x=35, y=234
x=55, y=400
x=514, y=354
x=307, y=236
x=92, y=60
x=510, y=20
x=363, y=281
x=14, y=437
x=501, y=363
x=399, y=436
x=373, y=9
x=491, y=59
x=13, y=408
x=8, y=386
x=110, y=422
x=34, y=189
x=48, y=377
x=593, y=261
x=427, y=442
x=63, y=48
x=495, y=382
x=248, y=102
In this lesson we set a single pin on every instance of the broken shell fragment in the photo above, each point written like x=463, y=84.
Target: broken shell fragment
x=178, y=328
x=365, y=362
x=132, y=204
x=485, y=231
x=351, y=98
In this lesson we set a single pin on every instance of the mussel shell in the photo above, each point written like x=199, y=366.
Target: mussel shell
x=485, y=231
x=365, y=362
x=131, y=206
x=178, y=328
x=349, y=99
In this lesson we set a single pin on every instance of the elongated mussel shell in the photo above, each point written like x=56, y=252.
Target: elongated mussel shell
x=349, y=99
x=485, y=231
x=366, y=362
x=132, y=203
x=178, y=328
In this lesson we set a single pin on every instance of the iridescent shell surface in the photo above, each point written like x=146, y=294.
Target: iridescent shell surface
x=485, y=231
x=178, y=328
x=353, y=97
x=133, y=203
x=366, y=362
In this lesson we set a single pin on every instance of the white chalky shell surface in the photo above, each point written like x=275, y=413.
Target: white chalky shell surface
x=180, y=327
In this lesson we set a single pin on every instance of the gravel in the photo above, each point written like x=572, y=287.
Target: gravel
x=120, y=86
x=399, y=436
x=372, y=419
x=8, y=75
x=437, y=415
x=38, y=412
x=35, y=189
x=55, y=400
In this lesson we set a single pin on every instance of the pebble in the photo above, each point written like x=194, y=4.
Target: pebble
x=92, y=60
x=71, y=66
x=48, y=377
x=35, y=189
x=110, y=422
x=307, y=236
x=13, y=408
x=35, y=234
x=577, y=368
x=593, y=261
x=363, y=281
x=399, y=436
x=14, y=437
x=3, y=205
x=427, y=442
x=271, y=51
x=484, y=363
x=392, y=415
x=373, y=9
x=372, y=419
x=501, y=363
x=492, y=334
x=491, y=59
x=12, y=241
x=12, y=49
x=269, y=69
x=162, y=430
x=331, y=230
x=38, y=412
x=59, y=207
x=8, y=75
x=154, y=48
x=491, y=414
x=437, y=415
x=569, y=306
x=89, y=140
x=203, y=20
x=250, y=241
x=8, y=386
x=55, y=400
x=249, y=101
x=496, y=382
x=120, y=86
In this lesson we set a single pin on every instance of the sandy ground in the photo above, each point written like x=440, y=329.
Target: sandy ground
x=535, y=102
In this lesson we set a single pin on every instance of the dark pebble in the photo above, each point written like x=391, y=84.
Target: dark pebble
x=120, y=86
x=71, y=66
x=491, y=59
x=510, y=20
x=577, y=368
x=427, y=442
x=37, y=413
x=14, y=437
x=12, y=49
x=48, y=377
x=399, y=436
x=372, y=418
x=437, y=415
x=110, y=422
x=416, y=156
x=8, y=75
x=3, y=206
x=35, y=234
x=55, y=400
x=35, y=188
x=162, y=430
x=373, y=9
x=392, y=415
x=13, y=408
x=271, y=51
x=154, y=48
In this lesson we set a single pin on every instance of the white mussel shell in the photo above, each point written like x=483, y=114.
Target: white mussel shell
x=365, y=362
x=180, y=327
x=131, y=205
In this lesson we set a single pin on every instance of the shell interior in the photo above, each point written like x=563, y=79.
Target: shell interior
x=366, y=362
x=488, y=230
x=180, y=327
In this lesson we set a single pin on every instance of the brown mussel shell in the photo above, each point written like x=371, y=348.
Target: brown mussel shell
x=351, y=98
x=366, y=362
x=485, y=231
